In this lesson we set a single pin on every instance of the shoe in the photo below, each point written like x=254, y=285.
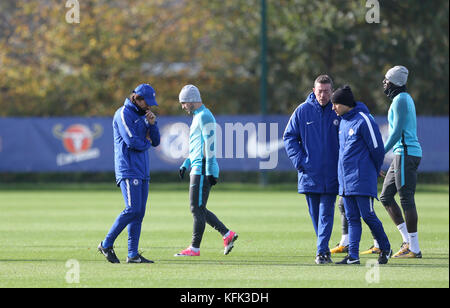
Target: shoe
x=409, y=254
x=384, y=256
x=138, y=259
x=188, y=252
x=323, y=258
x=228, y=242
x=403, y=249
x=108, y=253
x=349, y=260
x=339, y=249
x=371, y=250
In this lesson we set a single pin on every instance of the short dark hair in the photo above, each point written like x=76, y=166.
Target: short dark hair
x=324, y=79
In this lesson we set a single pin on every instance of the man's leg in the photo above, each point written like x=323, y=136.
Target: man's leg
x=406, y=193
x=140, y=190
x=387, y=197
x=365, y=205
x=313, y=201
x=210, y=217
x=342, y=246
x=325, y=222
x=354, y=226
x=199, y=194
x=196, y=188
x=344, y=224
x=131, y=211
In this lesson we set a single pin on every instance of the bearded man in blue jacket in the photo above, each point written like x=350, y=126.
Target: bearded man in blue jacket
x=361, y=155
x=311, y=142
x=135, y=132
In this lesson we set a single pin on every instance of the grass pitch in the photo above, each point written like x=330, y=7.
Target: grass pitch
x=49, y=236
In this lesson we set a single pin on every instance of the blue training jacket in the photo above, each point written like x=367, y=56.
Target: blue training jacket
x=361, y=153
x=202, y=144
x=311, y=142
x=403, y=127
x=131, y=159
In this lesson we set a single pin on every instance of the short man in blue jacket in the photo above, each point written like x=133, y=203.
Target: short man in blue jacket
x=361, y=154
x=311, y=142
x=135, y=131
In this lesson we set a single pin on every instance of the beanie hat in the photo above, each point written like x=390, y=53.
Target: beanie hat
x=343, y=96
x=398, y=75
x=190, y=94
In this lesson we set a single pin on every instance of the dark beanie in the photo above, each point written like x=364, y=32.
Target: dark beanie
x=343, y=96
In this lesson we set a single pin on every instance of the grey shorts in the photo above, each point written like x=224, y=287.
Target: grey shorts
x=402, y=178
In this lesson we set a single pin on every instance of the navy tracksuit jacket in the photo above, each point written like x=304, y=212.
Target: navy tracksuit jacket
x=311, y=142
x=361, y=155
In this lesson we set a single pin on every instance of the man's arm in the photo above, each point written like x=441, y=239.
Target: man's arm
x=400, y=110
x=153, y=134
x=153, y=130
x=208, y=128
x=292, y=140
x=127, y=130
x=372, y=136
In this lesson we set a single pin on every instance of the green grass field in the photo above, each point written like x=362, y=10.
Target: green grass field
x=42, y=228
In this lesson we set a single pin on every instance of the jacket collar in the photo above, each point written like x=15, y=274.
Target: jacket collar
x=351, y=113
x=360, y=107
x=129, y=104
x=313, y=101
x=200, y=109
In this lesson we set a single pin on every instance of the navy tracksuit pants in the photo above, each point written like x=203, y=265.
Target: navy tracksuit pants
x=355, y=208
x=321, y=210
x=135, y=194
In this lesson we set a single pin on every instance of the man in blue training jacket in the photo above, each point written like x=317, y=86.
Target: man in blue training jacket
x=135, y=131
x=204, y=171
x=311, y=142
x=361, y=154
x=402, y=174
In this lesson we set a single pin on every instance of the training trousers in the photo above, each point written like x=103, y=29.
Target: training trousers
x=321, y=210
x=355, y=208
x=198, y=194
x=135, y=193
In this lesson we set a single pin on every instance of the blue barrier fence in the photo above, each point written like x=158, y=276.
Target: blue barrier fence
x=245, y=143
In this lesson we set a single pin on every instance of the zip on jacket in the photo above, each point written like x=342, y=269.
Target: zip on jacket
x=311, y=142
x=131, y=158
x=361, y=153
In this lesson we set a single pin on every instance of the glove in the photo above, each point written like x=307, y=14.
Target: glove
x=181, y=172
x=212, y=180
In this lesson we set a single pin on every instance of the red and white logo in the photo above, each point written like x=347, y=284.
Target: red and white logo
x=77, y=139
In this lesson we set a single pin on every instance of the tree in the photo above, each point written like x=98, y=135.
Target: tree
x=49, y=67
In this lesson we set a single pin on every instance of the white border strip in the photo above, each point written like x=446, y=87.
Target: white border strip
x=372, y=134
x=125, y=124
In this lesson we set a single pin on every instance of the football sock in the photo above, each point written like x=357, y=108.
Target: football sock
x=414, y=242
x=344, y=240
x=404, y=232
x=195, y=249
x=375, y=243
